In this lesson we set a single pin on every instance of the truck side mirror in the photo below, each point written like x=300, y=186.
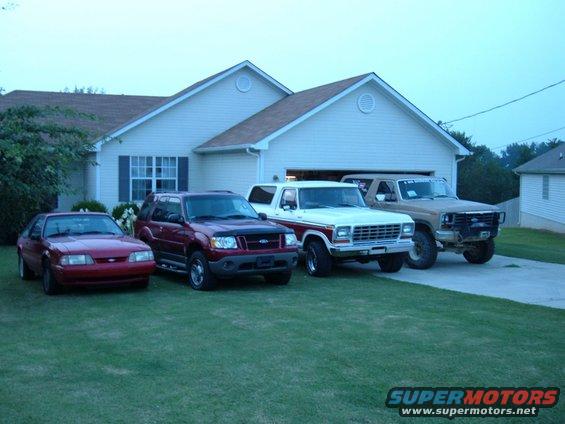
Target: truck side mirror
x=262, y=216
x=380, y=197
x=286, y=207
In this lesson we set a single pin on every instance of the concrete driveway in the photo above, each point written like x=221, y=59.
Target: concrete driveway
x=521, y=280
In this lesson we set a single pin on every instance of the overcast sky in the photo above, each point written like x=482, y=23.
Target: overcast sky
x=449, y=58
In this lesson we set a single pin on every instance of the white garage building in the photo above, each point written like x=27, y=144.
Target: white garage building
x=241, y=126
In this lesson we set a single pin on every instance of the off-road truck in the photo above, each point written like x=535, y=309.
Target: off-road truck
x=443, y=221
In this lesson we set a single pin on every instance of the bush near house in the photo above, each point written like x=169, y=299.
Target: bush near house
x=118, y=211
x=90, y=206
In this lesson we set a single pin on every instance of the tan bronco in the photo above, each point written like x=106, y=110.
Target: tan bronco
x=443, y=221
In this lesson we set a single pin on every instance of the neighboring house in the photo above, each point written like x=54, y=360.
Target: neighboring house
x=241, y=127
x=542, y=191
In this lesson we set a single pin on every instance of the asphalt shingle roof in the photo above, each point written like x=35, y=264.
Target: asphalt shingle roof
x=279, y=114
x=551, y=162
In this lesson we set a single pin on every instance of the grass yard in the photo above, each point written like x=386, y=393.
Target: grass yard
x=531, y=244
x=318, y=350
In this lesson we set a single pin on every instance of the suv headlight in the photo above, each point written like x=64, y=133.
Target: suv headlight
x=342, y=233
x=228, y=242
x=290, y=240
x=407, y=230
x=143, y=256
x=77, y=260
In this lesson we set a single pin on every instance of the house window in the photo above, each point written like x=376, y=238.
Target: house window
x=152, y=174
x=545, y=187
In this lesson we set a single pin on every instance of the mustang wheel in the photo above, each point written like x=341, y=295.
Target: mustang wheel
x=24, y=271
x=481, y=252
x=391, y=262
x=318, y=259
x=50, y=285
x=424, y=253
x=199, y=275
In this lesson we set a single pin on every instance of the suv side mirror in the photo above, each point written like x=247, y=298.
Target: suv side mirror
x=175, y=218
x=380, y=197
x=262, y=216
x=35, y=235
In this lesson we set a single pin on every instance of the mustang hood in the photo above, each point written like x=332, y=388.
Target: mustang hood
x=98, y=246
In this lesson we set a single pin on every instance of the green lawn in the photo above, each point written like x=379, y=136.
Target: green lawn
x=317, y=350
x=531, y=244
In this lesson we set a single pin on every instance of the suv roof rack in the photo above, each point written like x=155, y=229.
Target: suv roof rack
x=220, y=191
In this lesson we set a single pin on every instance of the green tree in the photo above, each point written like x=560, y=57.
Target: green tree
x=84, y=90
x=37, y=155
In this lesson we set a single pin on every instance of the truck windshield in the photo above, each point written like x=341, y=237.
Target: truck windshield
x=219, y=207
x=331, y=197
x=425, y=188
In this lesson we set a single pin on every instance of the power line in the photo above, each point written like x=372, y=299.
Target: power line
x=507, y=103
x=529, y=138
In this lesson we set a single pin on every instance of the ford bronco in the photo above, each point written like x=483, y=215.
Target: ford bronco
x=215, y=234
x=443, y=221
x=333, y=223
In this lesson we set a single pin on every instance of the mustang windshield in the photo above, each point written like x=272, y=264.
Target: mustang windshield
x=219, y=207
x=331, y=197
x=78, y=225
x=425, y=188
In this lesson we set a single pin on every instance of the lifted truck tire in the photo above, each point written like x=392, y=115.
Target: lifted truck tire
x=481, y=253
x=278, y=279
x=391, y=262
x=424, y=253
x=318, y=259
x=199, y=275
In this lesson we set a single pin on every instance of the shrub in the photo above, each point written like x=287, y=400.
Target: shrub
x=90, y=206
x=119, y=210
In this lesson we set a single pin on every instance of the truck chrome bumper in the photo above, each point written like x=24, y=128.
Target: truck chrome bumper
x=357, y=250
x=455, y=236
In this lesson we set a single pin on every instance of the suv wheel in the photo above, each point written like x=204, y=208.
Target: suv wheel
x=481, y=252
x=424, y=253
x=318, y=259
x=199, y=275
x=50, y=285
x=279, y=279
x=391, y=262
x=23, y=269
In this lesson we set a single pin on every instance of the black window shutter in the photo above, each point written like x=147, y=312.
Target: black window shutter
x=123, y=179
x=182, y=174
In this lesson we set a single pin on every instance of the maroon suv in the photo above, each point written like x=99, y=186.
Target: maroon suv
x=215, y=234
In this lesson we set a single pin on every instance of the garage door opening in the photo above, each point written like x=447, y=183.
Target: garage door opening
x=336, y=175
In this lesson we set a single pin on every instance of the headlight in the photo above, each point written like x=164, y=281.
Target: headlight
x=77, y=260
x=446, y=219
x=501, y=217
x=408, y=229
x=143, y=256
x=223, y=242
x=290, y=240
x=342, y=232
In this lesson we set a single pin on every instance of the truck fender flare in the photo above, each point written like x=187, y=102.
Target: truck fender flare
x=421, y=222
x=317, y=234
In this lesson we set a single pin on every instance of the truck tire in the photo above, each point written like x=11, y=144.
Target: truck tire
x=280, y=279
x=424, y=253
x=391, y=262
x=199, y=275
x=481, y=252
x=50, y=285
x=25, y=272
x=318, y=259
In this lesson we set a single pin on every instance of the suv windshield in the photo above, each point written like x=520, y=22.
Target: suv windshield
x=78, y=225
x=331, y=197
x=425, y=188
x=219, y=207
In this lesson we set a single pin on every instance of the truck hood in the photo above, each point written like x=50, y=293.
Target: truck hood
x=351, y=216
x=237, y=227
x=446, y=205
x=101, y=246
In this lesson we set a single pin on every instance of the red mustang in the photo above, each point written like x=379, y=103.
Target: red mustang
x=81, y=248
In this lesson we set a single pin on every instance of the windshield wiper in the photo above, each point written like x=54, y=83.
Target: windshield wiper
x=349, y=205
x=201, y=217
x=240, y=216
x=95, y=232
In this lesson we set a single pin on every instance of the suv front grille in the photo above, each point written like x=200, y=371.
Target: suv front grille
x=365, y=233
x=260, y=241
x=468, y=219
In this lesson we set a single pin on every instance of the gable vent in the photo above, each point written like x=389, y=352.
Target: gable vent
x=366, y=103
x=243, y=84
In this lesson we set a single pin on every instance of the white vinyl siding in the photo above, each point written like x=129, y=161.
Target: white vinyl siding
x=532, y=197
x=177, y=131
x=545, y=187
x=76, y=193
x=229, y=171
x=341, y=137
